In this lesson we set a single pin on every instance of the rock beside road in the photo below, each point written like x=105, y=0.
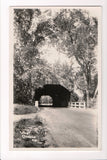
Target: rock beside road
x=31, y=133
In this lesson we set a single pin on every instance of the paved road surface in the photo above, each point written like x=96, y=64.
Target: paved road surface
x=71, y=127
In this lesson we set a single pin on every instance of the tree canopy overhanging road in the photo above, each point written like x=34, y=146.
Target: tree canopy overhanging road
x=69, y=32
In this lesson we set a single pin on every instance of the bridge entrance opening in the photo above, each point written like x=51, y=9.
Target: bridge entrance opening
x=46, y=100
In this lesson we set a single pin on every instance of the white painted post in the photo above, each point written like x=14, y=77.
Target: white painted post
x=37, y=105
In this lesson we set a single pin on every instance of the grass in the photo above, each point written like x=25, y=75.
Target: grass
x=24, y=109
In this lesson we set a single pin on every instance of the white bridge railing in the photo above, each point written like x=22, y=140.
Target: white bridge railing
x=78, y=104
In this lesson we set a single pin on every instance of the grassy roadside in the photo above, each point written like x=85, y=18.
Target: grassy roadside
x=24, y=109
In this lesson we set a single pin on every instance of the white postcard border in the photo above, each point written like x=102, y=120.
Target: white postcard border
x=5, y=153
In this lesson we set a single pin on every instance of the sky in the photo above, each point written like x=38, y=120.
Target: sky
x=52, y=55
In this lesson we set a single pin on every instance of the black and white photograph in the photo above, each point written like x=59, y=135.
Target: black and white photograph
x=55, y=83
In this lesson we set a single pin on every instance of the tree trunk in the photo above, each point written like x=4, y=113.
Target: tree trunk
x=87, y=99
x=96, y=92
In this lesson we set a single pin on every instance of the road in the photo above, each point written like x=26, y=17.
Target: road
x=71, y=127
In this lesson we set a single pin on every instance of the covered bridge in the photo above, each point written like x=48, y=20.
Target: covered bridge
x=59, y=94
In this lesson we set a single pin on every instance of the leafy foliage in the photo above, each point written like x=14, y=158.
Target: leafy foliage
x=73, y=32
x=79, y=36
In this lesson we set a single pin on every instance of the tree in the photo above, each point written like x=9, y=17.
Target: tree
x=27, y=62
x=74, y=32
x=78, y=34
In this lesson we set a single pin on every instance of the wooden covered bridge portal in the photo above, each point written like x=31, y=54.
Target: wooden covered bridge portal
x=59, y=94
